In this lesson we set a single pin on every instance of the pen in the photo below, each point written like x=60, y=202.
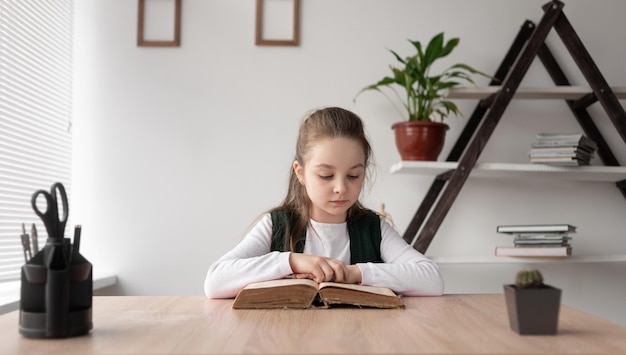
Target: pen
x=26, y=244
x=33, y=235
x=76, y=246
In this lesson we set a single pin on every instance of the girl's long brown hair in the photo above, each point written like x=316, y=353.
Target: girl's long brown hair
x=325, y=123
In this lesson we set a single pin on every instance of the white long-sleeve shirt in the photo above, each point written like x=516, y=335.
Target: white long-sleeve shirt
x=405, y=270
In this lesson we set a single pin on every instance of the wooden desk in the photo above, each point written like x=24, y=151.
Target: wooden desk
x=453, y=324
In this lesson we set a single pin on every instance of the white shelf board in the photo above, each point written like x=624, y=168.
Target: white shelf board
x=531, y=260
x=503, y=170
x=531, y=93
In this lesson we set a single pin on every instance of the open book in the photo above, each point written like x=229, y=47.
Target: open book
x=306, y=293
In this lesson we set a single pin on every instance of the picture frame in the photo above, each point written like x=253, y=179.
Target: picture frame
x=161, y=42
x=263, y=13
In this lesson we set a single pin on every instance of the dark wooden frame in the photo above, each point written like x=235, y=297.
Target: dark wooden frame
x=260, y=41
x=140, y=27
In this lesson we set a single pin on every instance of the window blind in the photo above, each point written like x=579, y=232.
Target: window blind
x=35, y=116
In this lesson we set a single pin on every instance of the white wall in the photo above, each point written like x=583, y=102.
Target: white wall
x=178, y=150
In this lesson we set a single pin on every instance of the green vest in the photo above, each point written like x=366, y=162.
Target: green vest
x=363, y=229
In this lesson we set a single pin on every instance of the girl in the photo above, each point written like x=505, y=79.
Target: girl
x=321, y=231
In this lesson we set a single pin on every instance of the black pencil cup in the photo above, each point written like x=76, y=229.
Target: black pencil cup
x=56, y=292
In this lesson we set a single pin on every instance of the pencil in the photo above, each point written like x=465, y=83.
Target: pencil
x=76, y=246
x=33, y=235
x=26, y=244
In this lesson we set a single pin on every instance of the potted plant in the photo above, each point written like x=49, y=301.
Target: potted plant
x=422, y=96
x=533, y=307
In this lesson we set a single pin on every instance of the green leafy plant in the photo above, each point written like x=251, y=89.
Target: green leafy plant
x=424, y=97
x=529, y=278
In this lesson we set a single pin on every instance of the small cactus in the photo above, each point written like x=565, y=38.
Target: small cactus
x=529, y=278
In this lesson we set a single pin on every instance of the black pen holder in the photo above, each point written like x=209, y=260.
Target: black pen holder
x=56, y=292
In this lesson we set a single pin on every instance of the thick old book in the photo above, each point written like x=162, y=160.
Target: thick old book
x=305, y=293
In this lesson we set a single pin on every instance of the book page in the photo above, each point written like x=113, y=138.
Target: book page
x=371, y=289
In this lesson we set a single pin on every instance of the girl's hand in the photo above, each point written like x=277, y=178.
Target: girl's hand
x=354, y=275
x=322, y=269
x=318, y=268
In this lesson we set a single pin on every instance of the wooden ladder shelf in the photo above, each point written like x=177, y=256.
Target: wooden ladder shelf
x=529, y=43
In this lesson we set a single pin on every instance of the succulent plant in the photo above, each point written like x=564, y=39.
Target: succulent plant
x=529, y=278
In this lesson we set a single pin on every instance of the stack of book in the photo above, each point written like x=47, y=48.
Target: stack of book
x=537, y=240
x=562, y=149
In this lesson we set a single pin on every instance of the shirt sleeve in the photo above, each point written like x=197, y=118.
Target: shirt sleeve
x=404, y=269
x=250, y=261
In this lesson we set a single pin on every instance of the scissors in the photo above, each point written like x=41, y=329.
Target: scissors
x=50, y=217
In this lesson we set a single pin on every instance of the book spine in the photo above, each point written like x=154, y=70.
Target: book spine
x=559, y=251
x=566, y=139
x=559, y=154
x=536, y=228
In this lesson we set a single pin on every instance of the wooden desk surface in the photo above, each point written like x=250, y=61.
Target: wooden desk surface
x=455, y=324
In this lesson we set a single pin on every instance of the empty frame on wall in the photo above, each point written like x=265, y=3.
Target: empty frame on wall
x=277, y=22
x=158, y=23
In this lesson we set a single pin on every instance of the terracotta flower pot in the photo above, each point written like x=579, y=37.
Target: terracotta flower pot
x=420, y=140
x=533, y=311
